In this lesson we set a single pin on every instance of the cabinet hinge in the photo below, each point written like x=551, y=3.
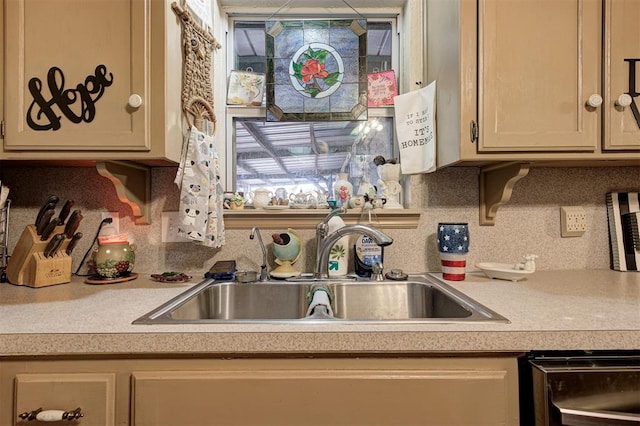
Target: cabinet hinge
x=2, y=128
x=474, y=131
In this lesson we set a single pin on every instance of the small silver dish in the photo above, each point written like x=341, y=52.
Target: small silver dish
x=246, y=276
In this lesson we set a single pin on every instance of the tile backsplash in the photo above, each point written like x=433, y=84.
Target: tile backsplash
x=529, y=223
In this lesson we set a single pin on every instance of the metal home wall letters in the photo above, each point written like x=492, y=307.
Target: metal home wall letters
x=632, y=89
x=41, y=115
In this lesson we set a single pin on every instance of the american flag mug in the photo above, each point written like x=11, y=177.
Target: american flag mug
x=453, y=246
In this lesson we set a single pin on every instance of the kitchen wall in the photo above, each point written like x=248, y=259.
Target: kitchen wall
x=529, y=223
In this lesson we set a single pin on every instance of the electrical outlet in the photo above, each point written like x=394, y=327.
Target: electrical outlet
x=573, y=221
x=170, y=229
x=112, y=228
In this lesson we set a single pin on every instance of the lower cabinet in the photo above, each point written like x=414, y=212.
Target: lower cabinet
x=267, y=391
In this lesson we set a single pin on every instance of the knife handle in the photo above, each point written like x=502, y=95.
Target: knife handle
x=66, y=209
x=73, y=223
x=44, y=221
x=73, y=242
x=49, y=204
x=53, y=245
x=46, y=233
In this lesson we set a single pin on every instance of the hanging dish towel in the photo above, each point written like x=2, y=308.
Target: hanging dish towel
x=198, y=177
x=416, y=130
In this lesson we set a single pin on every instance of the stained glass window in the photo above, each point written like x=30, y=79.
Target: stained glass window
x=316, y=70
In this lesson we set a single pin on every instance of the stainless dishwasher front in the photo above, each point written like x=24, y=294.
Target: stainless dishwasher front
x=582, y=388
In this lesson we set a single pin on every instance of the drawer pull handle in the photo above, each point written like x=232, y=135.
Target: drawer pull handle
x=51, y=415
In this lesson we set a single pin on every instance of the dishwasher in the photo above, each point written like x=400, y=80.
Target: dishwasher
x=580, y=388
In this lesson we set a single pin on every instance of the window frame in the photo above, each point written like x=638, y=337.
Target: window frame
x=302, y=219
x=235, y=111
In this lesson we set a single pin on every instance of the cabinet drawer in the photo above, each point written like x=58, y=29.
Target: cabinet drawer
x=321, y=397
x=93, y=393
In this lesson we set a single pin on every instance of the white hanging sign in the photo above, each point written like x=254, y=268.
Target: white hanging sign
x=416, y=130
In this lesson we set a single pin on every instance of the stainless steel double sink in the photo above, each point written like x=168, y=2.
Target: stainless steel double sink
x=421, y=299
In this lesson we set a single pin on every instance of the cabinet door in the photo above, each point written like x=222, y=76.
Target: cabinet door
x=538, y=64
x=70, y=68
x=622, y=74
x=93, y=393
x=323, y=397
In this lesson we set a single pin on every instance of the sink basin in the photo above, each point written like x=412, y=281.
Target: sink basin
x=420, y=299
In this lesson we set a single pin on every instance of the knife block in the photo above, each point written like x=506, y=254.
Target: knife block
x=28, y=265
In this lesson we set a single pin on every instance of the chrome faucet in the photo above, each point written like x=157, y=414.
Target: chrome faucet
x=263, y=268
x=322, y=229
x=322, y=262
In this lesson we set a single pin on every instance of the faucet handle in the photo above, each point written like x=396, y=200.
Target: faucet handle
x=376, y=272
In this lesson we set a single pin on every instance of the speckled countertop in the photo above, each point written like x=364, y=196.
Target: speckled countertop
x=586, y=309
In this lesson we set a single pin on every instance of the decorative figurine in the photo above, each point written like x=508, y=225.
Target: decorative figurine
x=389, y=182
x=286, y=248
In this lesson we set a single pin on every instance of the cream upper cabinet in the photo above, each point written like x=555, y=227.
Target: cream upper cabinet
x=537, y=68
x=532, y=80
x=91, y=79
x=622, y=75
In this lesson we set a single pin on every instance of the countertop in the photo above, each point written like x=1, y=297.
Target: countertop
x=550, y=310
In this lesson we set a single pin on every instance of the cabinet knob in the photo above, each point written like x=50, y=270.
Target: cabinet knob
x=624, y=100
x=594, y=101
x=51, y=415
x=135, y=101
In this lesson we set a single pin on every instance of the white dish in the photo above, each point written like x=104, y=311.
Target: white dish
x=300, y=206
x=276, y=207
x=503, y=271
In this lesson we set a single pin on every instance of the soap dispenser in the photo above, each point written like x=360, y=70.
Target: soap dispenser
x=339, y=254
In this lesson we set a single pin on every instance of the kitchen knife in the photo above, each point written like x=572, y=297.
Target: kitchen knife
x=66, y=209
x=53, y=200
x=73, y=242
x=72, y=224
x=44, y=221
x=53, y=245
x=48, y=230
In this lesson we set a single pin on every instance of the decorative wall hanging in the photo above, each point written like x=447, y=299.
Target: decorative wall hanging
x=316, y=69
x=245, y=88
x=382, y=88
x=197, y=93
x=198, y=176
x=77, y=104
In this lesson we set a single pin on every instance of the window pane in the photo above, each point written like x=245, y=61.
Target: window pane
x=307, y=156
x=249, y=46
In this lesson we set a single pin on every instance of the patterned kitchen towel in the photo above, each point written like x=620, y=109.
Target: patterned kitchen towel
x=623, y=245
x=200, y=213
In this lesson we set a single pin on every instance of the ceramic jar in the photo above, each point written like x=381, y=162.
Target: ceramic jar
x=114, y=260
x=261, y=198
x=342, y=189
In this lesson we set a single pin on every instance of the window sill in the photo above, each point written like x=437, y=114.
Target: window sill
x=308, y=219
